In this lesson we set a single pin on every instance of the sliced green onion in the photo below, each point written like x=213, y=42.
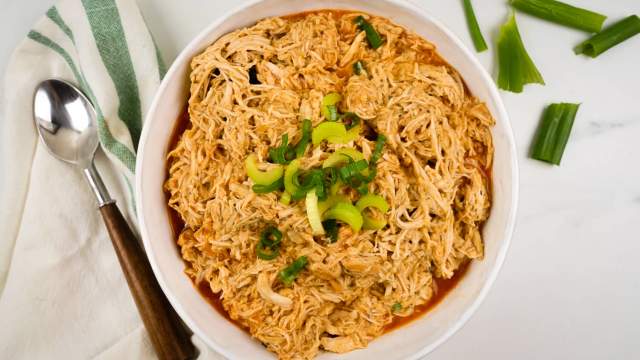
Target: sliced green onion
x=285, y=198
x=325, y=205
x=289, y=274
x=342, y=156
x=284, y=153
x=358, y=67
x=351, y=135
x=331, y=228
x=335, y=188
x=347, y=213
x=377, y=151
x=269, y=244
x=474, y=28
x=301, y=147
x=561, y=13
x=375, y=201
x=329, y=106
x=396, y=307
x=372, y=200
x=553, y=132
x=261, y=177
x=313, y=214
x=326, y=130
x=312, y=179
x=610, y=37
x=515, y=66
x=373, y=37
x=289, y=173
x=263, y=189
x=349, y=171
x=350, y=119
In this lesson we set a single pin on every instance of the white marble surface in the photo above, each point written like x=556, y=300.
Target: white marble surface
x=570, y=287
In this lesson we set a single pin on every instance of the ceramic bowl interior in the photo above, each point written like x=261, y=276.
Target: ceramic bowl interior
x=408, y=342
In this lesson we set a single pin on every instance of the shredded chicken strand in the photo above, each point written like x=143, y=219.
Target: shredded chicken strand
x=433, y=173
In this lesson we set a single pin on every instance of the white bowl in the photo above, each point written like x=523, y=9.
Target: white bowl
x=412, y=340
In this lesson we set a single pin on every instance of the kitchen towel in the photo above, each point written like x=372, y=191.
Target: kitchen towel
x=62, y=293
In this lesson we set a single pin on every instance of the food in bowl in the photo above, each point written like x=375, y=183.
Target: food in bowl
x=334, y=169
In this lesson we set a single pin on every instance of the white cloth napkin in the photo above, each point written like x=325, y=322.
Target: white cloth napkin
x=62, y=293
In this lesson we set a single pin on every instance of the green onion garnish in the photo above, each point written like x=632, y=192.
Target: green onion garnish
x=553, y=132
x=358, y=67
x=377, y=151
x=350, y=120
x=474, y=28
x=331, y=230
x=374, y=39
x=347, y=213
x=262, y=177
x=301, y=147
x=515, y=66
x=263, y=189
x=610, y=37
x=372, y=201
x=269, y=244
x=329, y=106
x=561, y=13
x=396, y=307
x=284, y=153
x=289, y=274
x=327, y=130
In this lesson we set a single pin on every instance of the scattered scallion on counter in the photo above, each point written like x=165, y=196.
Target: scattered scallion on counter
x=289, y=274
x=610, y=37
x=553, y=132
x=561, y=13
x=474, y=28
x=373, y=37
x=515, y=66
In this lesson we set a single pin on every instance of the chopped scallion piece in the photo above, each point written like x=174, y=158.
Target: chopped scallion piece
x=289, y=274
x=263, y=189
x=347, y=213
x=301, y=147
x=289, y=173
x=373, y=37
x=326, y=130
x=269, y=244
x=342, y=156
x=377, y=151
x=285, y=198
x=474, y=28
x=375, y=201
x=313, y=214
x=262, y=177
x=331, y=201
x=610, y=37
x=358, y=67
x=284, y=153
x=329, y=106
x=515, y=66
x=331, y=229
x=561, y=13
x=396, y=307
x=553, y=132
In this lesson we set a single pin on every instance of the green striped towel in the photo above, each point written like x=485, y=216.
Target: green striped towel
x=62, y=293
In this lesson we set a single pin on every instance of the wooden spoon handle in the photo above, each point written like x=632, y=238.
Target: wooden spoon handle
x=169, y=337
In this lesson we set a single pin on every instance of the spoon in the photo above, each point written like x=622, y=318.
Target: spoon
x=66, y=123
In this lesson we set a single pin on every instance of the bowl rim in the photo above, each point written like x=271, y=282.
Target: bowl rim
x=501, y=113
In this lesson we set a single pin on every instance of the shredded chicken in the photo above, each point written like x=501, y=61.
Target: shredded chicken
x=433, y=173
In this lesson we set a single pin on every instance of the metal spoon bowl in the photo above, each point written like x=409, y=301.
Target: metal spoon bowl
x=67, y=125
